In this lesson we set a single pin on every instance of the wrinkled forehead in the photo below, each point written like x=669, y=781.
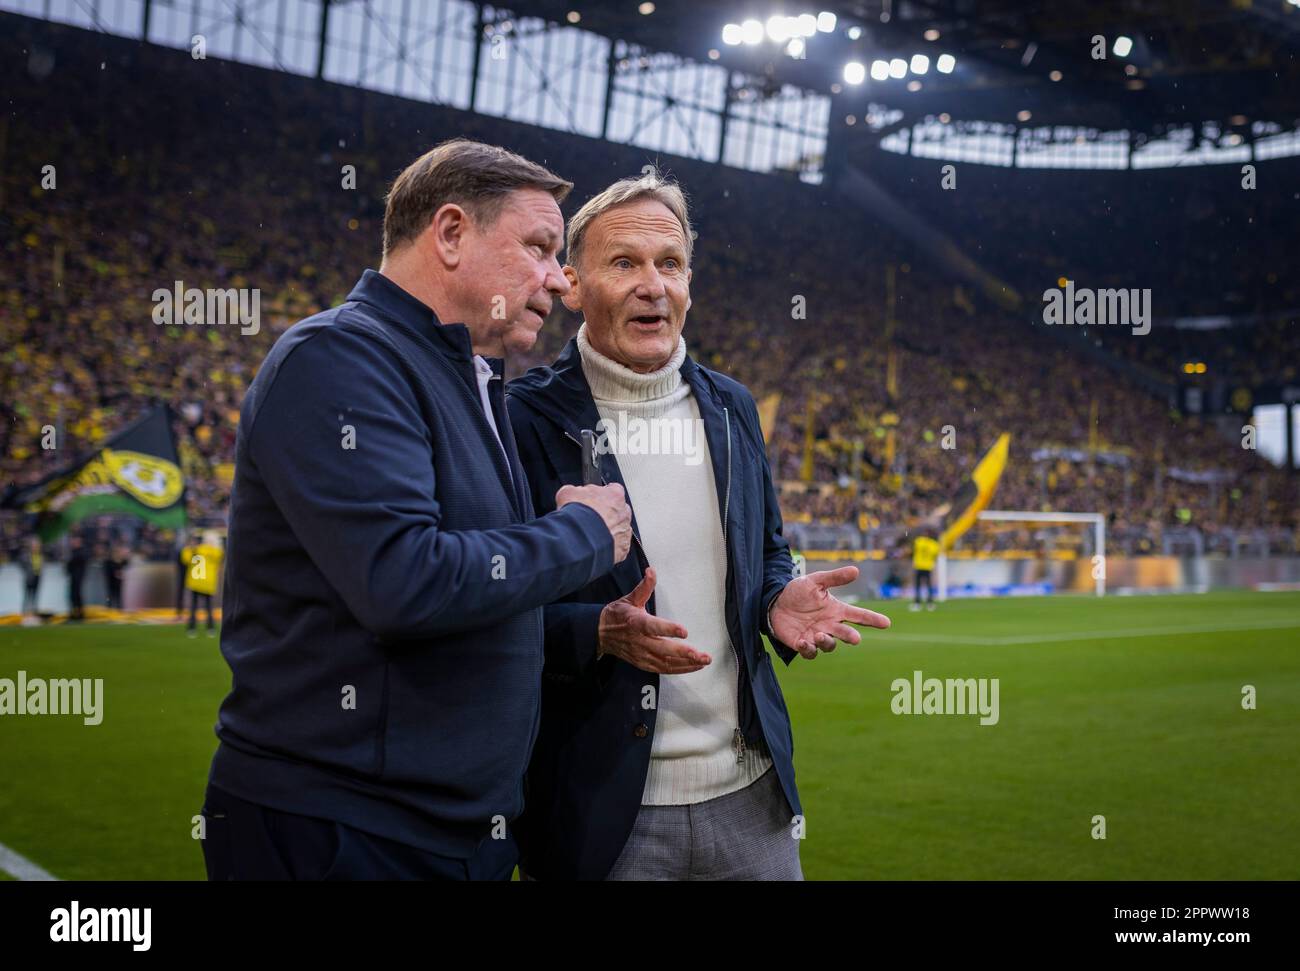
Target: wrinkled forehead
x=641, y=224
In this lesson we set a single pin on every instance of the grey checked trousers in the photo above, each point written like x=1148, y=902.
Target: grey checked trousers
x=745, y=835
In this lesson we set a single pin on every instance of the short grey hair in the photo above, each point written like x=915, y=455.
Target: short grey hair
x=649, y=185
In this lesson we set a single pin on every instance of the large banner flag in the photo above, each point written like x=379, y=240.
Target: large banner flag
x=974, y=495
x=135, y=472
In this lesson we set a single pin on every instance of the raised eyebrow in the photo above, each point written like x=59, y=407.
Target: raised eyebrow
x=618, y=247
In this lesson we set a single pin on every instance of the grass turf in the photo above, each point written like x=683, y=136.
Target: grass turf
x=1099, y=717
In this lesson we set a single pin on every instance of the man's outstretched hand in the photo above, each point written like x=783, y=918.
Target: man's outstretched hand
x=629, y=631
x=807, y=618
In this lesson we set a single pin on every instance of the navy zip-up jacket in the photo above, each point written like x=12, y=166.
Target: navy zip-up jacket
x=589, y=766
x=385, y=579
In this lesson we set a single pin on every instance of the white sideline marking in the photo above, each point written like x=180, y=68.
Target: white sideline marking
x=21, y=868
x=1099, y=635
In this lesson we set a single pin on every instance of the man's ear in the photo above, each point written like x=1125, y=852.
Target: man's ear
x=572, y=299
x=446, y=233
x=689, y=271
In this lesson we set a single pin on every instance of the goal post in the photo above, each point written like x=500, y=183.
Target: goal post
x=1095, y=519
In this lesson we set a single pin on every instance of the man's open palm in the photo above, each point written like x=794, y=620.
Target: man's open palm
x=807, y=617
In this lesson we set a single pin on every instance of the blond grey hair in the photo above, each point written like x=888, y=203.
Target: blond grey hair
x=649, y=185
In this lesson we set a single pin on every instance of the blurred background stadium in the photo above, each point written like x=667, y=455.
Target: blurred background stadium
x=885, y=310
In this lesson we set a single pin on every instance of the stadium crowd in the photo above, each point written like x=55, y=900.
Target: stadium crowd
x=882, y=407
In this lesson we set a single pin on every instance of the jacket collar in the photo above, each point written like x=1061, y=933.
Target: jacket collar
x=401, y=308
x=560, y=394
x=560, y=391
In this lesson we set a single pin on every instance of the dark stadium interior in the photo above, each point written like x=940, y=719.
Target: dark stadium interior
x=222, y=174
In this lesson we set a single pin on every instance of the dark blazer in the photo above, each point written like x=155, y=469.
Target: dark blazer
x=589, y=766
x=408, y=571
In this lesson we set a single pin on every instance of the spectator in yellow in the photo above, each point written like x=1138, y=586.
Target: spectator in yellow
x=201, y=575
x=925, y=551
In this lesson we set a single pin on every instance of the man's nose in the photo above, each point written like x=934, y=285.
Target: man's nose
x=556, y=282
x=650, y=285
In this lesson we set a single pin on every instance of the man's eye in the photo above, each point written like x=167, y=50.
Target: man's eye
x=623, y=264
x=671, y=264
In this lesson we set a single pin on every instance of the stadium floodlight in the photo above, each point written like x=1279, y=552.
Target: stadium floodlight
x=732, y=34
x=932, y=34
x=880, y=70
x=1122, y=46
x=796, y=47
x=946, y=64
x=855, y=32
x=920, y=64
x=854, y=72
x=751, y=32
x=898, y=68
x=778, y=28
x=805, y=25
x=826, y=22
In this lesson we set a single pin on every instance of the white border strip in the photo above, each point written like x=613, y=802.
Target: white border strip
x=21, y=868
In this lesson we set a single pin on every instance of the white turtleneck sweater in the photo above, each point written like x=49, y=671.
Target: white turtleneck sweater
x=679, y=523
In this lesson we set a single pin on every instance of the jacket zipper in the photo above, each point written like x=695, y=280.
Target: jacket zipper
x=738, y=737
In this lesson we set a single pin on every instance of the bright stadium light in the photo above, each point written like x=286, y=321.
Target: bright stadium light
x=854, y=72
x=932, y=34
x=920, y=64
x=796, y=47
x=805, y=25
x=946, y=63
x=880, y=70
x=732, y=34
x=826, y=22
x=751, y=32
x=855, y=32
x=1122, y=46
x=778, y=29
x=898, y=68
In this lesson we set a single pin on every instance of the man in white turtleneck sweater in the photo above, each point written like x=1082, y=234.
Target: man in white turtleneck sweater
x=665, y=749
x=679, y=521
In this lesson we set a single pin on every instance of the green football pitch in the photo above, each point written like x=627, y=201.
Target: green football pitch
x=1125, y=713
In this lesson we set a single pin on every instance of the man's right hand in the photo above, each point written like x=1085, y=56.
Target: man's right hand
x=641, y=639
x=611, y=502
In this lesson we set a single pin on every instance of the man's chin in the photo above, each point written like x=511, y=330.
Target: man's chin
x=520, y=341
x=650, y=353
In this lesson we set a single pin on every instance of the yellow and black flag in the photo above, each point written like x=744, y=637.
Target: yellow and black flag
x=973, y=496
x=135, y=472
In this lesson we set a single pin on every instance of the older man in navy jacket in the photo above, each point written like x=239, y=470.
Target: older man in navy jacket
x=665, y=749
x=386, y=569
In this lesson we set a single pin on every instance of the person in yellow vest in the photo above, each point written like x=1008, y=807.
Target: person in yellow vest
x=203, y=570
x=925, y=551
